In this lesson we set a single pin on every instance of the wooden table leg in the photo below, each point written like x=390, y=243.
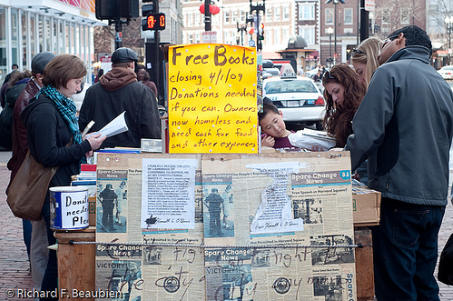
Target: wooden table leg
x=364, y=264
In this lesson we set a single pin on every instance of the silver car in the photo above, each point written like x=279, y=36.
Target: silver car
x=298, y=98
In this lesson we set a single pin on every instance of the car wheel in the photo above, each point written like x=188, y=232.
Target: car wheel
x=319, y=126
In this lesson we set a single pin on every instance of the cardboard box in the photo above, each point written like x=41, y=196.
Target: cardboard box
x=366, y=206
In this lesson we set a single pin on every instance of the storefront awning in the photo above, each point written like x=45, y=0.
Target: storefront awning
x=80, y=11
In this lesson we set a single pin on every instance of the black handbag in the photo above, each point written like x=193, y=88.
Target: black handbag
x=445, y=274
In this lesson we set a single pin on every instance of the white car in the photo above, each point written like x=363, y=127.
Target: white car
x=297, y=98
x=446, y=72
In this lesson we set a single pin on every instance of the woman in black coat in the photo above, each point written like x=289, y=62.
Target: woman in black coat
x=54, y=137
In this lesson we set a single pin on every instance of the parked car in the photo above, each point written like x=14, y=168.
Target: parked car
x=297, y=98
x=446, y=72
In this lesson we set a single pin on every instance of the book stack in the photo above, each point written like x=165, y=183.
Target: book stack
x=87, y=178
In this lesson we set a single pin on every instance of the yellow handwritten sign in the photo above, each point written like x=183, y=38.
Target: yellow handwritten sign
x=212, y=99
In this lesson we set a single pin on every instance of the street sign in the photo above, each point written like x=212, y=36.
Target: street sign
x=252, y=43
x=370, y=5
x=209, y=37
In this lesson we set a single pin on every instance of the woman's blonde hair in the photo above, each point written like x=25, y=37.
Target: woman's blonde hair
x=367, y=53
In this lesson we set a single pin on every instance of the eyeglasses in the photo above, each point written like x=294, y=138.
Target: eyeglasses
x=357, y=51
x=388, y=40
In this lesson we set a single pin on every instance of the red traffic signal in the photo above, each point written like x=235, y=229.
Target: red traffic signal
x=154, y=22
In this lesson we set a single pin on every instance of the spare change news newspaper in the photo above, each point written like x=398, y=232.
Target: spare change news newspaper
x=240, y=227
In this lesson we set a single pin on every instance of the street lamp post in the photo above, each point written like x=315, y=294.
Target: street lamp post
x=335, y=2
x=329, y=31
x=241, y=29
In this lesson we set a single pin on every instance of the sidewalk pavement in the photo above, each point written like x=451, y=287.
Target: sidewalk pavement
x=14, y=267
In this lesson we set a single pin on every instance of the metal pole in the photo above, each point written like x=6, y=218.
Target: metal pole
x=242, y=36
x=207, y=16
x=330, y=45
x=364, y=22
x=358, y=21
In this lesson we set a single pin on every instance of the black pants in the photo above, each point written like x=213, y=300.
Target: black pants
x=107, y=214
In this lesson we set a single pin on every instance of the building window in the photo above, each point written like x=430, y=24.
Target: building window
x=32, y=36
x=189, y=20
x=235, y=16
x=40, y=25
x=386, y=14
x=269, y=14
x=25, y=30
x=308, y=33
x=285, y=35
x=405, y=16
x=348, y=16
x=277, y=13
x=307, y=11
x=329, y=16
x=227, y=17
x=285, y=13
x=14, y=36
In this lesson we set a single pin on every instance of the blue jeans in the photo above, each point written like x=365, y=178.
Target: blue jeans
x=50, y=280
x=405, y=251
x=26, y=228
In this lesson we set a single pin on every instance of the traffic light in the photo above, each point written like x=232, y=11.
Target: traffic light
x=154, y=22
x=153, y=19
x=261, y=35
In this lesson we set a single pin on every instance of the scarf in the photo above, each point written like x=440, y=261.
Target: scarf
x=67, y=110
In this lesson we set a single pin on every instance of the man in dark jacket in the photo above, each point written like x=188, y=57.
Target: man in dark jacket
x=108, y=197
x=118, y=91
x=214, y=202
x=404, y=126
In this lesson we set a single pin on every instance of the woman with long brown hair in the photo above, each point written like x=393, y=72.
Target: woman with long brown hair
x=343, y=93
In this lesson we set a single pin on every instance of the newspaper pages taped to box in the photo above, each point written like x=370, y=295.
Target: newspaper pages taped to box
x=266, y=227
x=278, y=200
x=154, y=271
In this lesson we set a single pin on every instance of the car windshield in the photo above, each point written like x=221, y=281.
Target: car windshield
x=447, y=68
x=290, y=86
